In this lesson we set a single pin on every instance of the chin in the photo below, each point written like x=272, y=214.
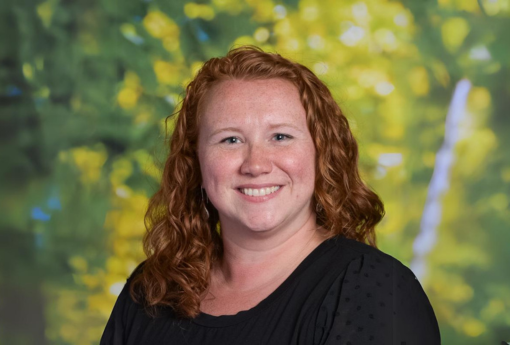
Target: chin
x=261, y=226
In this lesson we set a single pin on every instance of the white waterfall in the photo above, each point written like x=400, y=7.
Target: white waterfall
x=440, y=181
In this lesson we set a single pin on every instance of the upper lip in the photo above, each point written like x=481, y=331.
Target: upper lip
x=258, y=186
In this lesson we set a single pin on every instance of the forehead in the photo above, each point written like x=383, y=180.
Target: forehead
x=233, y=100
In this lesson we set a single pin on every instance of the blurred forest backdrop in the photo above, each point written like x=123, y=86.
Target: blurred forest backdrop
x=85, y=87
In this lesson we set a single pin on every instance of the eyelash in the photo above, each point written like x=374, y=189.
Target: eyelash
x=285, y=135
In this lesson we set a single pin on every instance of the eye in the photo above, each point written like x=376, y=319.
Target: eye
x=281, y=137
x=230, y=140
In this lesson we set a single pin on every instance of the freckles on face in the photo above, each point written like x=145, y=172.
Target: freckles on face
x=254, y=135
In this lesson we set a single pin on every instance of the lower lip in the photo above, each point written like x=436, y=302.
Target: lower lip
x=257, y=199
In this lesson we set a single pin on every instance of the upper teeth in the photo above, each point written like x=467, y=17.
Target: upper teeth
x=259, y=192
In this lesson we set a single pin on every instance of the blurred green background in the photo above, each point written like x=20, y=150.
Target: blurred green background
x=85, y=86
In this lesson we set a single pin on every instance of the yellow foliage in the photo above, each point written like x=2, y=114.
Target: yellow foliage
x=419, y=81
x=45, y=12
x=28, y=71
x=43, y=92
x=128, y=97
x=292, y=44
x=131, y=79
x=142, y=118
x=195, y=67
x=127, y=218
x=360, y=13
x=116, y=265
x=66, y=300
x=429, y=159
x=473, y=327
x=308, y=11
x=469, y=6
x=393, y=222
x=129, y=94
x=111, y=281
x=473, y=151
x=193, y=10
x=499, y=202
x=101, y=303
x=69, y=333
x=123, y=223
x=386, y=39
x=88, y=160
x=171, y=44
x=261, y=34
x=244, y=40
x=493, y=8
x=441, y=73
x=479, y=98
x=232, y=7
x=452, y=289
x=122, y=168
x=88, y=43
x=494, y=309
x=375, y=150
x=354, y=92
x=454, y=31
x=146, y=163
x=128, y=29
x=90, y=281
x=78, y=263
x=402, y=18
x=160, y=25
x=121, y=247
x=167, y=73
x=393, y=111
x=262, y=10
x=505, y=174
x=395, y=131
x=367, y=77
x=466, y=254
x=283, y=27
x=460, y=5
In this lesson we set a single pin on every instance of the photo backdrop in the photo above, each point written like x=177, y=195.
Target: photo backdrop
x=86, y=86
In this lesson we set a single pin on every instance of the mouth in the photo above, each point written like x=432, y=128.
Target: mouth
x=258, y=192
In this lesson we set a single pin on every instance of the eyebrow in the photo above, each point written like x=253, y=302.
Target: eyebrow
x=272, y=126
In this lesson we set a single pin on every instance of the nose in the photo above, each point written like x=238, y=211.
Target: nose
x=257, y=161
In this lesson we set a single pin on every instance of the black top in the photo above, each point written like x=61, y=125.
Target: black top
x=344, y=292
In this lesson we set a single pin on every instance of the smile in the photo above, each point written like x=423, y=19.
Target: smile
x=259, y=192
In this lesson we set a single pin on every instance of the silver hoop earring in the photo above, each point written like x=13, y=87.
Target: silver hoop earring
x=204, y=202
x=318, y=208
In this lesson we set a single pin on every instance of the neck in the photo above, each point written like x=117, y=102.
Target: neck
x=265, y=258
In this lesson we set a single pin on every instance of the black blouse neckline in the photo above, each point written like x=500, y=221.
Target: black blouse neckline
x=229, y=320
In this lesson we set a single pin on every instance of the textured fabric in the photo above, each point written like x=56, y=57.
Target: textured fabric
x=343, y=293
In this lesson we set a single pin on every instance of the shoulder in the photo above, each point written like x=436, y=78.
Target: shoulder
x=368, y=258
x=376, y=298
x=380, y=274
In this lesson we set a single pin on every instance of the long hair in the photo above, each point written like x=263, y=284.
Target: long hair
x=182, y=242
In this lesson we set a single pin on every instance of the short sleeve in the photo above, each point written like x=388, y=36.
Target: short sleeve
x=377, y=300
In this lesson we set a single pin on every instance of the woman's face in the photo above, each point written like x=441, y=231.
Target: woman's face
x=256, y=154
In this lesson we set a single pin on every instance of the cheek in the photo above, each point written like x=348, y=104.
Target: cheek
x=216, y=168
x=301, y=167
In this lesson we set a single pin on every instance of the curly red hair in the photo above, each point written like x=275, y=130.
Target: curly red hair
x=182, y=242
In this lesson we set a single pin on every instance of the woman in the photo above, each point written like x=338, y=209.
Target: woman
x=257, y=234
